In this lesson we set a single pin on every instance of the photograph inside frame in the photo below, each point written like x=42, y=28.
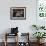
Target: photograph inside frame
x=18, y=13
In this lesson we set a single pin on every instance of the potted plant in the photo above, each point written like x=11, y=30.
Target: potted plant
x=39, y=35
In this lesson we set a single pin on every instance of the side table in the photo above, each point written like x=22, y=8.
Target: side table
x=8, y=34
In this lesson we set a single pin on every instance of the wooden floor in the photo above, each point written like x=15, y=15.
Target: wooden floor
x=13, y=44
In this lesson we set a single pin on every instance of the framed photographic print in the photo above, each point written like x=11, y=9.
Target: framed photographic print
x=18, y=13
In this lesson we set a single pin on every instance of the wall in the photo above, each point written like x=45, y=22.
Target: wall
x=24, y=25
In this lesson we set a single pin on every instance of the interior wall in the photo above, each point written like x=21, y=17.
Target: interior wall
x=23, y=25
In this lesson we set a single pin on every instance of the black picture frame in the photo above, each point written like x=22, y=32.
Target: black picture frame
x=18, y=13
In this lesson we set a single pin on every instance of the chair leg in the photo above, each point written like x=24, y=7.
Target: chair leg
x=5, y=43
x=5, y=40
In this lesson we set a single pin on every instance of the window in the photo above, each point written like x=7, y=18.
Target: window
x=41, y=8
